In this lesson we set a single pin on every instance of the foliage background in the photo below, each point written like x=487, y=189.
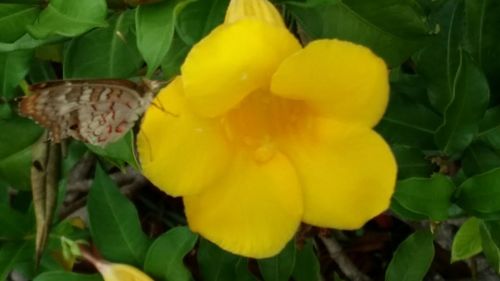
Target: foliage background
x=443, y=124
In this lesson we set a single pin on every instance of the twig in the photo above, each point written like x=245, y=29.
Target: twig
x=348, y=268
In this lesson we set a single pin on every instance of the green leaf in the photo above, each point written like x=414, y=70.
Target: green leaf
x=402, y=212
x=13, y=20
x=411, y=162
x=409, y=123
x=393, y=29
x=114, y=222
x=306, y=264
x=155, y=26
x=69, y=18
x=481, y=38
x=174, y=58
x=41, y=71
x=480, y=194
x=215, y=263
x=109, y=52
x=438, y=62
x=15, y=151
x=479, y=158
x=412, y=258
x=13, y=67
x=242, y=272
x=426, y=196
x=198, y=18
x=489, y=128
x=119, y=152
x=67, y=276
x=490, y=234
x=467, y=241
x=470, y=95
x=26, y=42
x=165, y=256
x=13, y=253
x=14, y=224
x=279, y=267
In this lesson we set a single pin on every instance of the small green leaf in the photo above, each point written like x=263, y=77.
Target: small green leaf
x=165, y=256
x=467, y=241
x=215, y=263
x=479, y=158
x=109, y=52
x=411, y=162
x=279, y=267
x=393, y=29
x=481, y=38
x=198, y=18
x=13, y=67
x=490, y=234
x=409, y=123
x=489, y=128
x=119, y=152
x=307, y=264
x=13, y=253
x=13, y=20
x=114, y=222
x=470, y=95
x=429, y=197
x=412, y=258
x=155, y=26
x=67, y=276
x=402, y=212
x=480, y=194
x=69, y=18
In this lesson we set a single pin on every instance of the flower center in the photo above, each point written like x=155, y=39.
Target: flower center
x=261, y=120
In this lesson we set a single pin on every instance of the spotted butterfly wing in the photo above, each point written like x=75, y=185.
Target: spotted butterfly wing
x=93, y=111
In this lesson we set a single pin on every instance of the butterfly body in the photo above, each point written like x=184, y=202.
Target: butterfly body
x=93, y=111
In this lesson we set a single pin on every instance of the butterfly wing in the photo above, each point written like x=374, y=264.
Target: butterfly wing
x=93, y=111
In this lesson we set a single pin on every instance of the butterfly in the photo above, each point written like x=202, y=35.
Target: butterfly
x=97, y=112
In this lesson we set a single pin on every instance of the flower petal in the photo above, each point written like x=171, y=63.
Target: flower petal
x=180, y=152
x=347, y=174
x=232, y=61
x=340, y=79
x=253, y=211
x=259, y=9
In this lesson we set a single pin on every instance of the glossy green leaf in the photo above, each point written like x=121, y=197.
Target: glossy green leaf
x=14, y=224
x=411, y=162
x=13, y=253
x=27, y=42
x=13, y=20
x=402, y=212
x=215, y=263
x=120, y=152
x=69, y=18
x=109, y=52
x=67, y=276
x=198, y=18
x=13, y=67
x=165, y=256
x=279, y=267
x=307, y=264
x=174, y=58
x=480, y=194
x=409, y=123
x=438, y=62
x=481, y=39
x=114, y=222
x=467, y=241
x=393, y=29
x=412, y=258
x=479, y=158
x=15, y=151
x=490, y=242
x=426, y=196
x=470, y=95
x=155, y=26
x=489, y=128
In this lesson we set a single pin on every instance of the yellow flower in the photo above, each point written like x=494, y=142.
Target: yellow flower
x=259, y=134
